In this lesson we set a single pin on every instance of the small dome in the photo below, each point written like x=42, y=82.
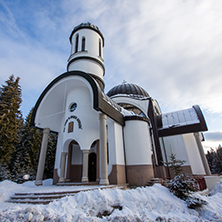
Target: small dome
x=128, y=89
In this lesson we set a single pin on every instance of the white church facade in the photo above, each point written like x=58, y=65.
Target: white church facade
x=121, y=137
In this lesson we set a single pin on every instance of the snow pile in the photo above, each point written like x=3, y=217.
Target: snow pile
x=154, y=203
x=217, y=188
x=7, y=189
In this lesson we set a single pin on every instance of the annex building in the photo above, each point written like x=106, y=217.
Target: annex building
x=119, y=137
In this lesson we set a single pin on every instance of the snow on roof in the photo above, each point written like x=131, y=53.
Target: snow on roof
x=180, y=118
x=119, y=108
x=137, y=97
x=111, y=102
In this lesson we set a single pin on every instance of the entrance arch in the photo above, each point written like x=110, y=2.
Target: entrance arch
x=94, y=162
x=74, y=163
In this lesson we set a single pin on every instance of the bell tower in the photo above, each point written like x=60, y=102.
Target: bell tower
x=87, y=44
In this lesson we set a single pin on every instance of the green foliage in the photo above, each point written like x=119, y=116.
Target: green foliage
x=183, y=187
x=10, y=117
x=31, y=139
x=214, y=158
x=25, y=158
x=194, y=202
x=20, y=143
x=175, y=165
x=4, y=172
x=50, y=155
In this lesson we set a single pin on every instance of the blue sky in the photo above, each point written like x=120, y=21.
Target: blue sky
x=172, y=48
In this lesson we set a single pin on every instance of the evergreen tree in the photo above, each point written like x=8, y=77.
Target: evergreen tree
x=25, y=158
x=31, y=141
x=184, y=187
x=175, y=165
x=20, y=165
x=214, y=158
x=50, y=155
x=10, y=118
x=4, y=172
x=211, y=157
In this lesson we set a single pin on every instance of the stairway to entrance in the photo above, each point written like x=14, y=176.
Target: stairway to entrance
x=47, y=197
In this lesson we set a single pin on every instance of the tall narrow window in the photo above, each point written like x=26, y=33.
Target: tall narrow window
x=70, y=127
x=77, y=41
x=100, y=48
x=83, y=43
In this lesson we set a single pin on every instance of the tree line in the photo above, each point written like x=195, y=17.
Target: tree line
x=214, y=158
x=20, y=143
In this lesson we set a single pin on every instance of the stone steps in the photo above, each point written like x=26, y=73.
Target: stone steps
x=47, y=197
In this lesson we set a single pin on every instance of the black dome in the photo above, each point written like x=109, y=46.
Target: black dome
x=128, y=89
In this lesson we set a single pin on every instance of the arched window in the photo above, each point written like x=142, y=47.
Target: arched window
x=77, y=41
x=100, y=48
x=83, y=43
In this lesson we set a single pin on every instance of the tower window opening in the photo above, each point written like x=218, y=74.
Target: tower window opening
x=77, y=41
x=83, y=43
x=100, y=48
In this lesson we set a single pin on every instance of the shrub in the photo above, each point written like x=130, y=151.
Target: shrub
x=183, y=187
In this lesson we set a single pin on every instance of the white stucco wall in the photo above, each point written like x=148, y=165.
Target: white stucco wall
x=52, y=108
x=176, y=145
x=58, y=151
x=54, y=113
x=193, y=154
x=91, y=43
x=115, y=143
x=88, y=117
x=91, y=50
x=87, y=66
x=137, y=143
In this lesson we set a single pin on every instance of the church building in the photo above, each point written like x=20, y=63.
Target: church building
x=119, y=137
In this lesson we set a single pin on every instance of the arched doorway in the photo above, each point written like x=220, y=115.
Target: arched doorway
x=92, y=167
x=74, y=165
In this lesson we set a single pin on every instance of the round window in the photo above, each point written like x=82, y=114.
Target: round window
x=73, y=107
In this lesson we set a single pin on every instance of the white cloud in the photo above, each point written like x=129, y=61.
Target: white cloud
x=171, y=48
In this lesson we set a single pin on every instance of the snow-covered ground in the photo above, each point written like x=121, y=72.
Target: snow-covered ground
x=154, y=203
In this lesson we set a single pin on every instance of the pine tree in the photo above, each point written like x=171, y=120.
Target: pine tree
x=4, y=172
x=184, y=187
x=175, y=165
x=25, y=158
x=211, y=158
x=31, y=141
x=219, y=160
x=50, y=155
x=10, y=118
x=214, y=158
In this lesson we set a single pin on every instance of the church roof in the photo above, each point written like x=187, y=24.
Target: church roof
x=130, y=89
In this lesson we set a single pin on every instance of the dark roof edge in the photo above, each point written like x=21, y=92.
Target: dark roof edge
x=86, y=58
x=180, y=130
x=200, y=117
